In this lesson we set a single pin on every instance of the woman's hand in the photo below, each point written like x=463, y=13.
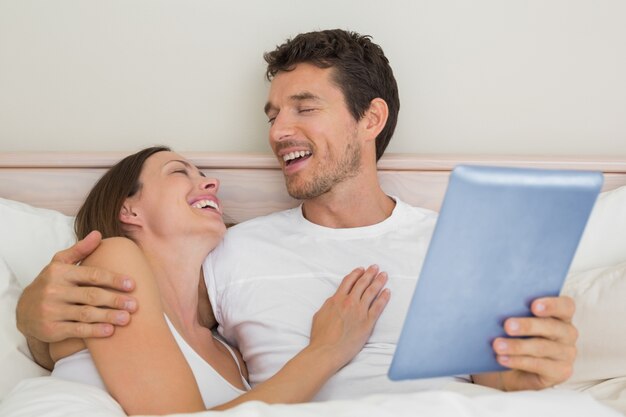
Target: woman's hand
x=340, y=329
x=346, y=320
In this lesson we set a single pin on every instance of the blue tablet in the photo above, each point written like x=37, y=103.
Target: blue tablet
x=504, y=237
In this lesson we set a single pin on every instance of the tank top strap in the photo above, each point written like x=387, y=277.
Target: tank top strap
x=234, y=355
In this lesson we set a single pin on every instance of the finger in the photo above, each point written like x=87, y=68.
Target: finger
x=548, y=328
x=88, y=314
x=379, y=304
x=98, y=297
x=550, y=371
x=372, y=291
x=363, y=282
x=99, y=277
x=535, y=347
x=348, y=282
x=80, y=250
x=69, y=330
x=561, y=308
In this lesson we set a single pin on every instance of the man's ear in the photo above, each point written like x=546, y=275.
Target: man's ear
x=375, y=118
x=128, y=215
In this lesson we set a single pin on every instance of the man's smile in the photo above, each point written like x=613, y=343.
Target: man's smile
x=292, y=157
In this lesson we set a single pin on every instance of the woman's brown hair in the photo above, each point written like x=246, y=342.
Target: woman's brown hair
x=101, y=208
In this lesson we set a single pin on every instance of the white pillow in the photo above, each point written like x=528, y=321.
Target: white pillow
x=31, y=236
x=604, y=241
x=600, y=317
x=15, y=360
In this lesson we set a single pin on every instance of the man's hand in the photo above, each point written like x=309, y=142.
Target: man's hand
x=545, y=357
x=69, y=301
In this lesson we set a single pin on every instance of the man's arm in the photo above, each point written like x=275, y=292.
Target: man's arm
x=545, y=357
x=71, y=301
x=41, y=352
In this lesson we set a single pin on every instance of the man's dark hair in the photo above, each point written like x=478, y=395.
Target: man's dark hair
x=361, y=71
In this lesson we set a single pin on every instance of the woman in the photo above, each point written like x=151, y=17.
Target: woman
x=160, y=217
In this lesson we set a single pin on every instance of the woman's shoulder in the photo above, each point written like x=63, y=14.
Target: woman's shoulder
x=117, y=252
x=118, y=243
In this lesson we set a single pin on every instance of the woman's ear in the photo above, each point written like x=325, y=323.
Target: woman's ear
x=128, y=215
x=375, y=118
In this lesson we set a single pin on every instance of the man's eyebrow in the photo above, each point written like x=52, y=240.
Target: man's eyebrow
x=268, y=106
x=187, y=164
x=305, y=95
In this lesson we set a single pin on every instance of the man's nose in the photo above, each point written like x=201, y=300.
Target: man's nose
x=282, y=128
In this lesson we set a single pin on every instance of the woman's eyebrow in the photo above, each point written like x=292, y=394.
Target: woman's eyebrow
x=186, y=164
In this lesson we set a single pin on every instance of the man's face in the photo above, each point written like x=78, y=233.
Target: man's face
x=312, y=131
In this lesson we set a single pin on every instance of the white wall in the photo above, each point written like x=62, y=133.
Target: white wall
x=483, y=76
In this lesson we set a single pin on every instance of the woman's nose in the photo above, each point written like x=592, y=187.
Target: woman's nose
x=212, y=184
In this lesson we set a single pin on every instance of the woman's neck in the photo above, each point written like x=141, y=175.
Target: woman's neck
x=177, y=268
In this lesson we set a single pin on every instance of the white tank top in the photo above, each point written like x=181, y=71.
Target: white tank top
x=214, y=388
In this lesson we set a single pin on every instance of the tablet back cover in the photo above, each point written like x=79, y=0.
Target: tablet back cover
x=504, y=237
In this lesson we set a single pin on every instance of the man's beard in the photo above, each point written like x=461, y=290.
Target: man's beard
x=327, y=176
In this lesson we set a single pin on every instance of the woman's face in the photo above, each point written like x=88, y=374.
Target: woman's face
x=174, y=199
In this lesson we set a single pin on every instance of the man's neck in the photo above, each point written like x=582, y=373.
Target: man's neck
x=343, y=208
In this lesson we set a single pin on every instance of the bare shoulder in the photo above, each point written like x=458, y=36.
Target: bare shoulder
x=116, y=246
x=118, y=254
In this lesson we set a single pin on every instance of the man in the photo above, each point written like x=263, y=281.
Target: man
x=332, y=107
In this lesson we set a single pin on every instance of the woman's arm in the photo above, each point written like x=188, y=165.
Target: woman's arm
x=340, y=329
x=141, y=364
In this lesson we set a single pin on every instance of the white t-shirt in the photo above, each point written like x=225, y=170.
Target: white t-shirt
x=271, y=275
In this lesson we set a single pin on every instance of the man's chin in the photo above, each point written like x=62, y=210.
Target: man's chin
x=297, y=193
x=303, y=191
x=296, y=189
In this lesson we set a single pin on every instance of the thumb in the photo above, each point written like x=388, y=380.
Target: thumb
x=80, y=250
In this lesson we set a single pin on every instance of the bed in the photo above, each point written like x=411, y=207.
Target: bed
x=39, y=192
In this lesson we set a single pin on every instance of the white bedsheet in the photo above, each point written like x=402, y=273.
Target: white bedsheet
x=50, y=397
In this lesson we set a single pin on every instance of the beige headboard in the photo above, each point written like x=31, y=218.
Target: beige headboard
x=252, y=184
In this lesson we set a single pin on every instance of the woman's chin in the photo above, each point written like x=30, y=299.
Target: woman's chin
x=214, y=236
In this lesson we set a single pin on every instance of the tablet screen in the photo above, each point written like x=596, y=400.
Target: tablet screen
x=504, y=237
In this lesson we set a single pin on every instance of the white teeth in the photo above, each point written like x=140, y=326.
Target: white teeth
x=205, y=203
x=293, y=155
